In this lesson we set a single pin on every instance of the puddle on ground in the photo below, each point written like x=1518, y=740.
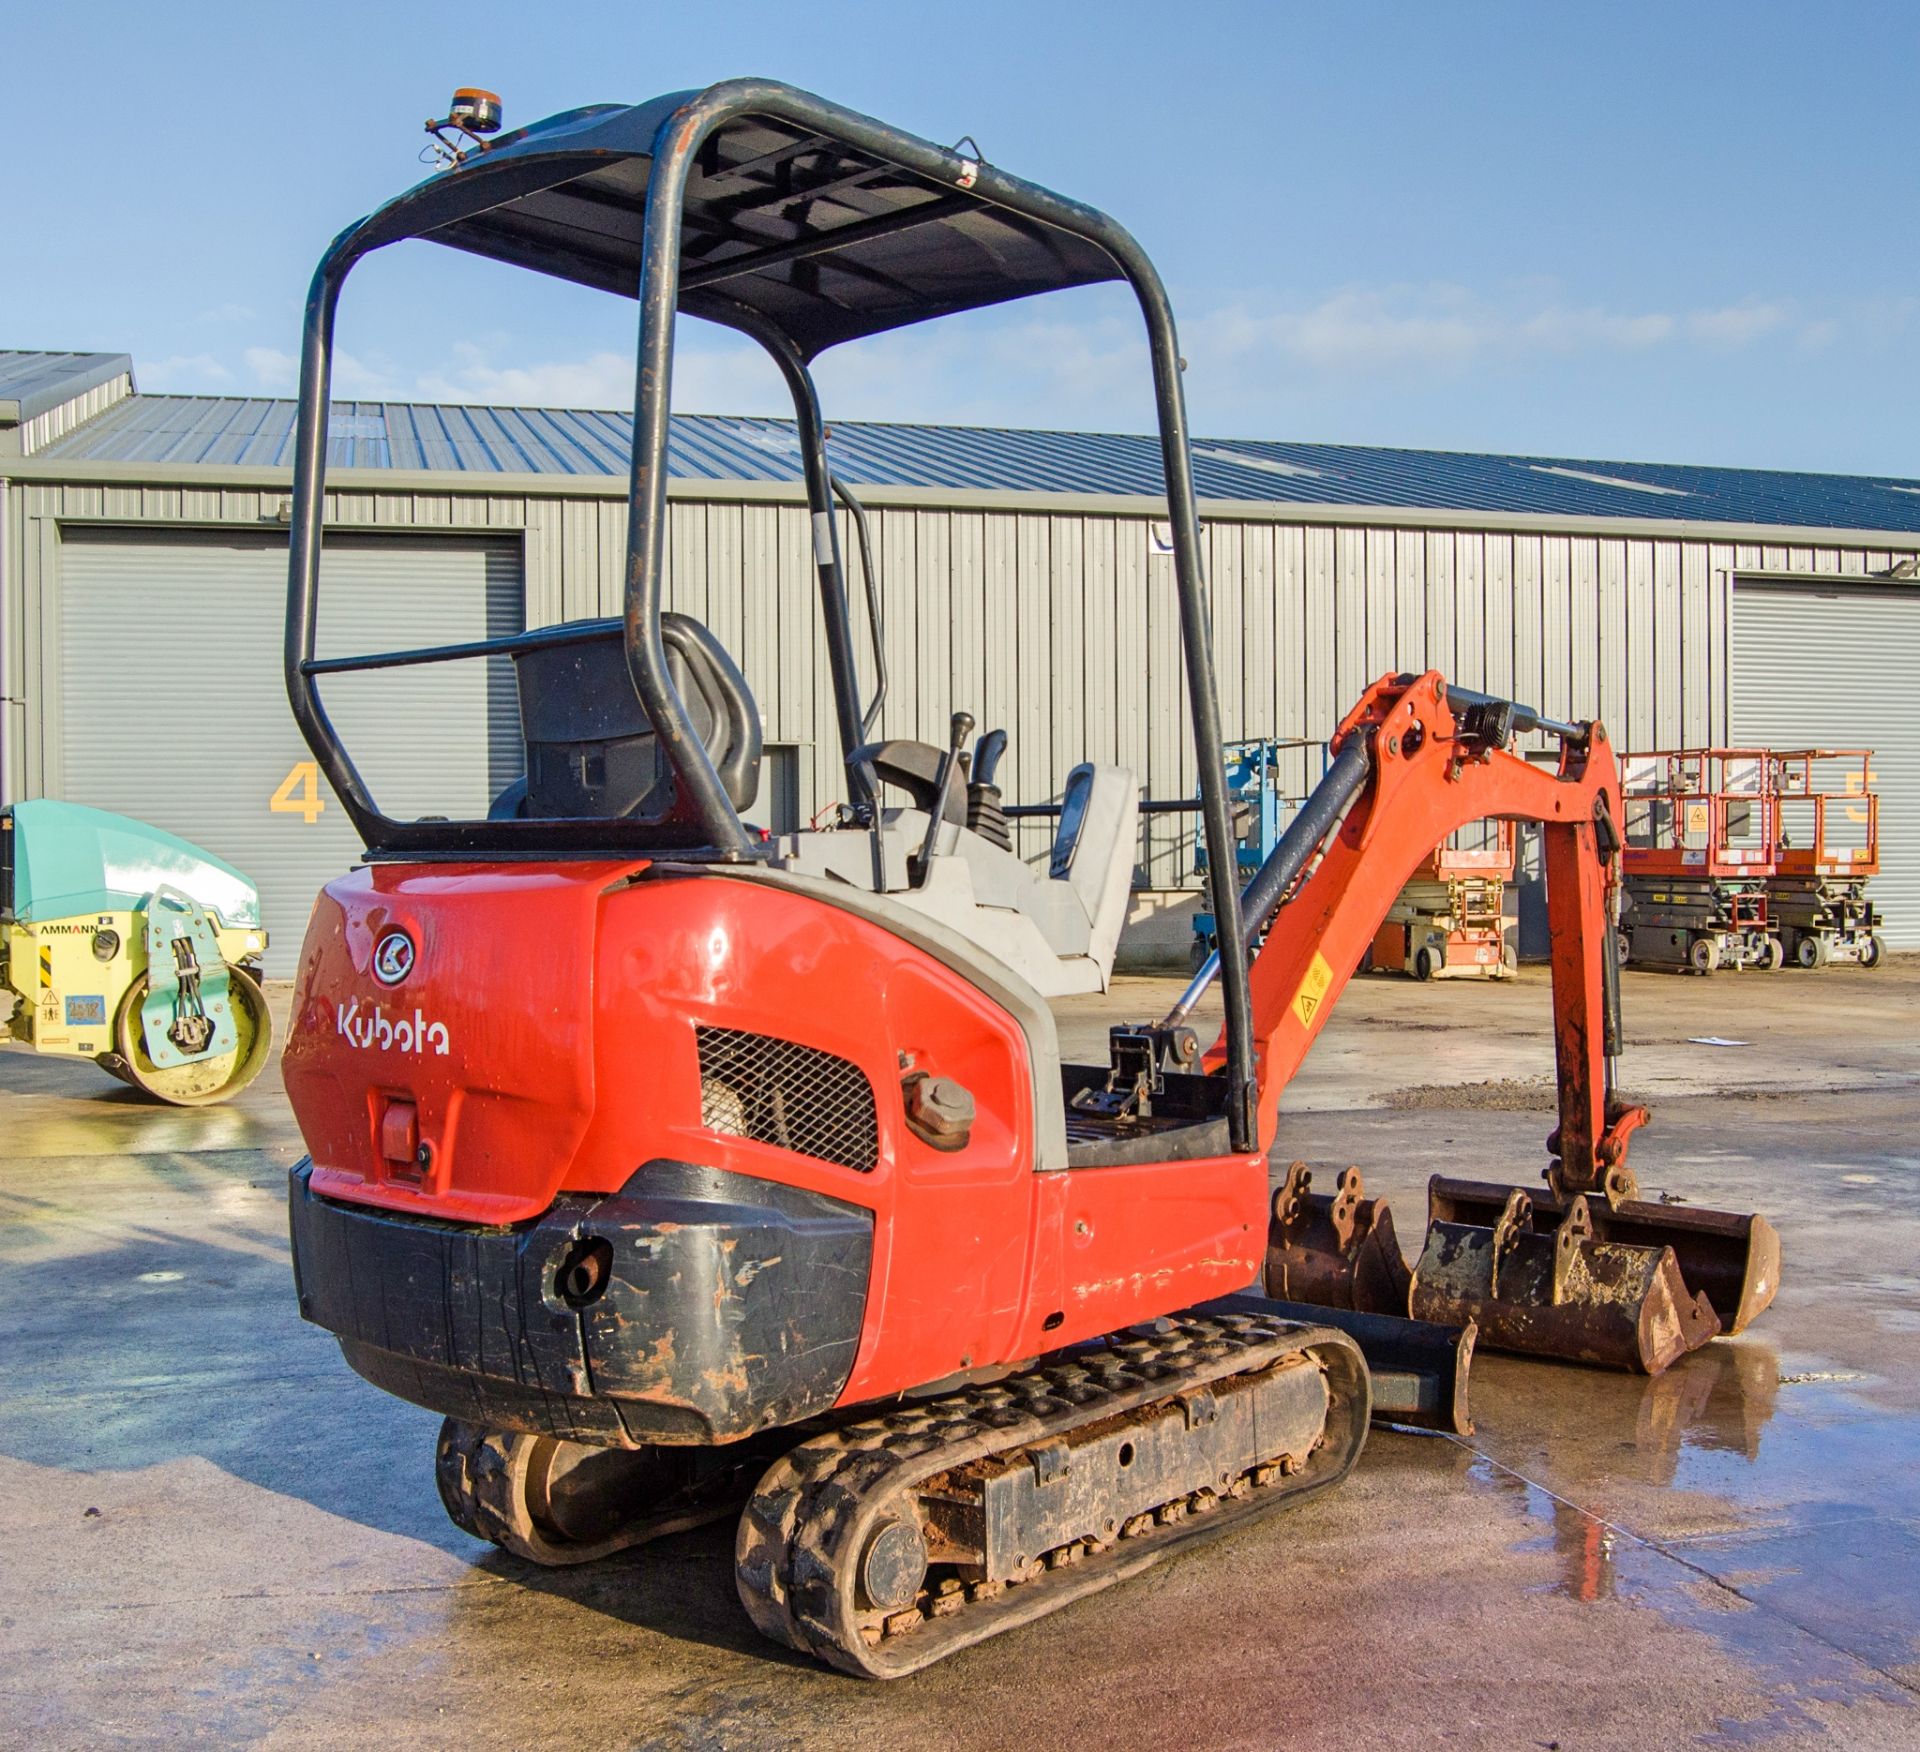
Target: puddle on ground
x=1811, y=1574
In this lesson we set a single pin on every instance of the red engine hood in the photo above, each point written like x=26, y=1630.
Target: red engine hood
x=442, y=1034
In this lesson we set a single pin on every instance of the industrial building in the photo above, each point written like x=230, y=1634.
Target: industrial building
x=1025, y=578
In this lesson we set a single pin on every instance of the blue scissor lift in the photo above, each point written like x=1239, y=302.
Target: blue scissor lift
x=1263, y=802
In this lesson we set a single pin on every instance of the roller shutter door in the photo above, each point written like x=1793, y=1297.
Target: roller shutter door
x=173, y=709
x=1827, y=667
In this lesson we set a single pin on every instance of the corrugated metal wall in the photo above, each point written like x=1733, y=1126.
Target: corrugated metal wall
x=1803, y=659
x=1061, y=627
x=218, y=763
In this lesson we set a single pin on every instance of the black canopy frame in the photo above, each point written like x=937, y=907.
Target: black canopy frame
x=804, y=225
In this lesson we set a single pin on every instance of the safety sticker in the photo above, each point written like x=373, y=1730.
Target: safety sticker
x=1313, y=989
x=86, y=1009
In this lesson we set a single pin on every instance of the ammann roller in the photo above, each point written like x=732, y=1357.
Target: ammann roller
x=126, y=945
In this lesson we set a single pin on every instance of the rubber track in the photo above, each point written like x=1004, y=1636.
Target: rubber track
x=479, y=1475
x=801, y=1534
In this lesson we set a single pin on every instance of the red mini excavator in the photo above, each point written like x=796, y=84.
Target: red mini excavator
x=677, y=1163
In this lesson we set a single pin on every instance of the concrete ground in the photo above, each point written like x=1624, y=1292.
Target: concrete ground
x=211, y=1530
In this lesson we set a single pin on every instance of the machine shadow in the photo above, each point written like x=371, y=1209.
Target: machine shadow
x=680, y=1587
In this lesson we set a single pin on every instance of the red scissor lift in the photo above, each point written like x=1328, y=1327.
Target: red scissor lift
x=1829, y=847
x=1450, y=919
x=1702, y=835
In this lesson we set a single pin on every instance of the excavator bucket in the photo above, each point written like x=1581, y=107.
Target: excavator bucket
x=1730, y=1258
x=1629, y=1286
x=1334, y=1250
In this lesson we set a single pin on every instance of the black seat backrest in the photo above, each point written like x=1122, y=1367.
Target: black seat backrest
x=591, y=748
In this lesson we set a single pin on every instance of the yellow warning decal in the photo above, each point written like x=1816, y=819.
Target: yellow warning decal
x=1313, y=989
x=46, y=965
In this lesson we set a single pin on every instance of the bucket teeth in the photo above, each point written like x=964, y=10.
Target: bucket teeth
x=1730, y=1257
x=1334, y=1250
x=1573, y=1280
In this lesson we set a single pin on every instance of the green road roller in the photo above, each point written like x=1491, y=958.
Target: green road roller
x=126, y=945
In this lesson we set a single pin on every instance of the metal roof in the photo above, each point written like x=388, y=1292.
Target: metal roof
x=215, y=432
x=31, y=383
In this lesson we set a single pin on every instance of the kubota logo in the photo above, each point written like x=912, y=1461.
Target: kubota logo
x=376, y=1031
x=393, y=958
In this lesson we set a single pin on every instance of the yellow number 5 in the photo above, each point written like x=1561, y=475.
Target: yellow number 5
x=1857, y=784
x=299, y=793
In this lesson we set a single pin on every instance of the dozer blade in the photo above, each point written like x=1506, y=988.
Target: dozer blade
x=1560, y=1291
x=1731, y=1259
x=1419, y=1371
x=1334, y=1250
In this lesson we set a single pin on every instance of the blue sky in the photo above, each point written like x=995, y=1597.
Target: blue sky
x=1677, y=232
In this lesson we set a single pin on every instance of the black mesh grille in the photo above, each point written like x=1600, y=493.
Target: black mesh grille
x=779, y=1092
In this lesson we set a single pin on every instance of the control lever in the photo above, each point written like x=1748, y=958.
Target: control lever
x=987, y=755
x=986, y=812
x=961, y=729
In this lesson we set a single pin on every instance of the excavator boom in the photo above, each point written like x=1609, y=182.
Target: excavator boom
x=1585, y=1268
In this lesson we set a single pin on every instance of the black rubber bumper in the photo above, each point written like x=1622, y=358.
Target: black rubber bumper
x=692, y=1306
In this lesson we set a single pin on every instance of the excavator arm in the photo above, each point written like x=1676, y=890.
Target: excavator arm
x=1583, y=1269
x=1433, y=764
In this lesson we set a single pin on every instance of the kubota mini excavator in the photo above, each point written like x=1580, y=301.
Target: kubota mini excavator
x=676, y=1163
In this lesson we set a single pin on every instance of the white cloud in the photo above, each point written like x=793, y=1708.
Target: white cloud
x=601, y=380
x=1737, y=325
x=1357, y=328
x=278, y=373
x=183, y=374
x=1588, y=329
x=1004, y=368
x=274, y=371
x=1443, y=328
x=1080, y=363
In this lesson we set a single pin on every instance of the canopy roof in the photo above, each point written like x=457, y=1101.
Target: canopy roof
x=783, y=226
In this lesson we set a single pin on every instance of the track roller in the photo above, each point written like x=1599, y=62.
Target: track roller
x=888, y=1544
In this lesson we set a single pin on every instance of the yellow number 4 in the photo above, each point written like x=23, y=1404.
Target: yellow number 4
x=299, y=793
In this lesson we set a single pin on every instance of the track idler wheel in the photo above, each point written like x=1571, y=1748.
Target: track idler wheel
x=1553, y=1280
x=1335, y=1250
x=560, y=1503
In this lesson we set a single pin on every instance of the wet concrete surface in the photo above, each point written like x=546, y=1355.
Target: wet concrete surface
x=210, y=1529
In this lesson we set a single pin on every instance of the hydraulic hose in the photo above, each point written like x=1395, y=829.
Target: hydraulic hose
x=1306, y=833
x=858, y=512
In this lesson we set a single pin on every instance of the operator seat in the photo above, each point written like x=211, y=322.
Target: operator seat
x=591, y=750
x=1057, y=927
x=1093, y=849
